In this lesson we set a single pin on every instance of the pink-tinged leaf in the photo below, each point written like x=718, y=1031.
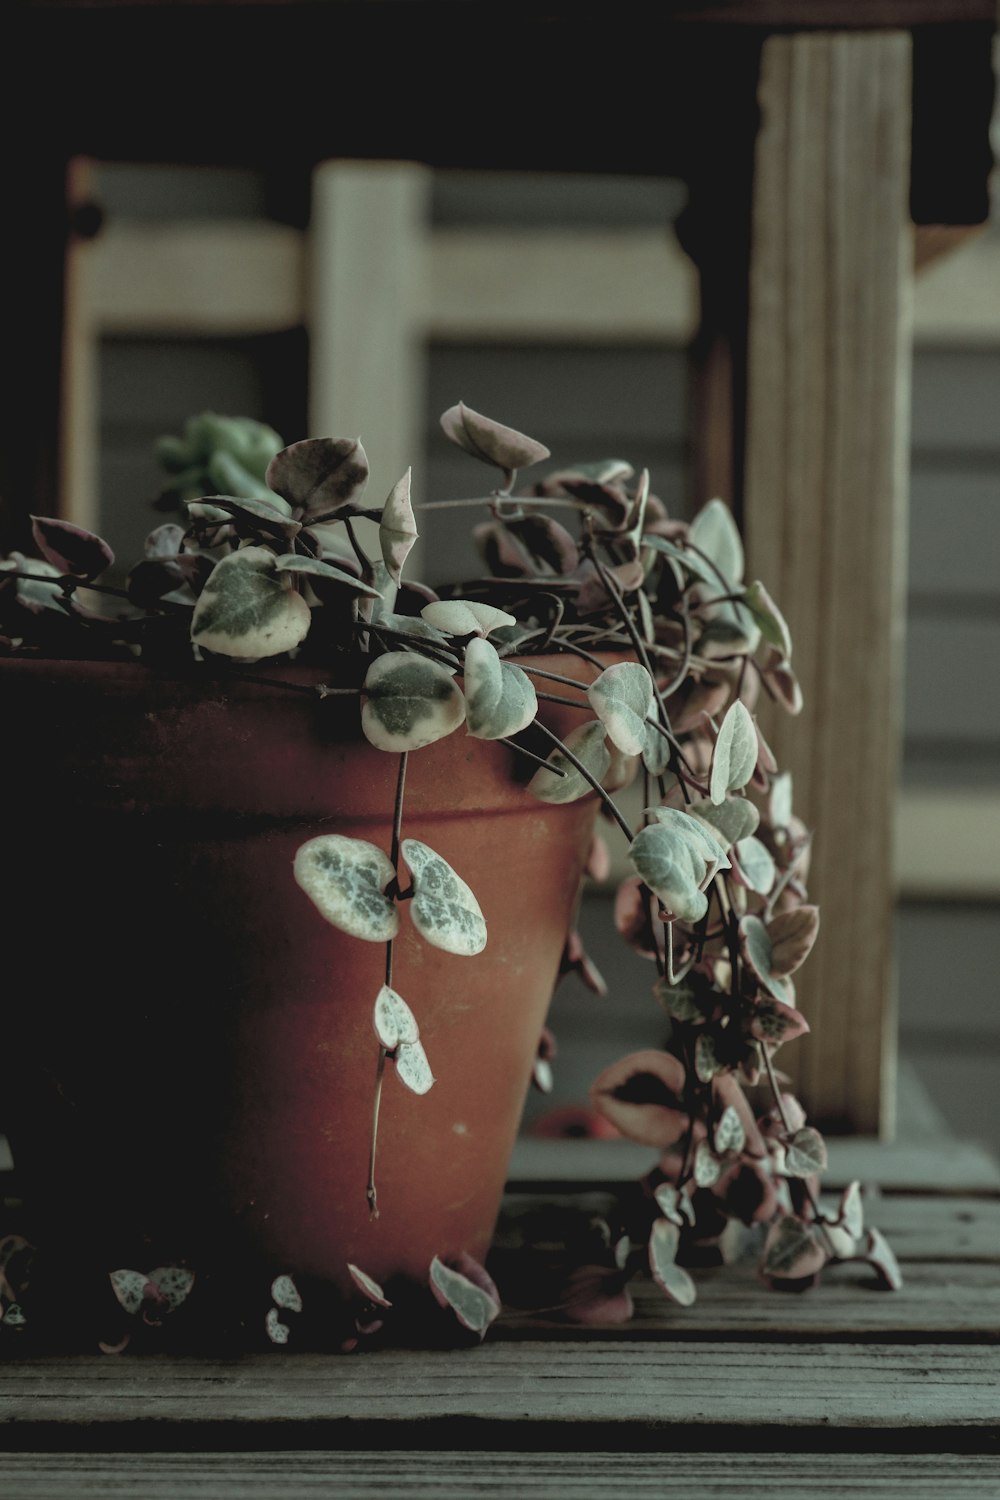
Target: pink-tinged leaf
x=792, y=1251
x=598, y=865
x=368, y=1286
x=755, y=945
x=393, y=1020
x=642, y=1095
x=592, y=1300
x=500, y=552
x=286, y=1293
x=173, y=1284
x=70, y=548
x=277, y=1331
x=575, y=961
x=632, y=918
x=546, y=540
x=593, y=596
x=774, y=1022
x=805, y=1153
x=475, y=1302
x=879, y=1254
x=130, y=1289
x=851, y=1213
x=749, y=1193
x=490, y=441
x=319, y=475
x=792, y=935
x=118, y=1348
x=781, y=679
x=670, y=1277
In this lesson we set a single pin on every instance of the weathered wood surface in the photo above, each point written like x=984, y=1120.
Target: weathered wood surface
x=446, y=1475
x=825, y=509
x=678, y=1390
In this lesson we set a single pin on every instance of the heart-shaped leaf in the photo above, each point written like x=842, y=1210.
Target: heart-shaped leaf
x=464, y=617
x=368, y=1286
x=775, y=1022
x=345, y=879
x=320, y=475
x=642, y=1095
x=622, y=698
x=729, y=1132
x=173, y=1283
x=393, y=1020
x=732, y=820
x=277, y=1331
x=664, y=1238
x=412, y=1067
x=706, y=1059
x=735, y=753
x=499, y=698
x=674, y=1205
x=587, y=742
x=707, y=1166
x=70, y=548
x=805, y=1153
x=444, y=910
x=410, y=702
x=545, y=540
x=490, y=441
x=675, y=857
x=270, y=515
x=397, y=530
x=714, y=532
x=682, y=1001
x=791, y=1250
x=755, y=864
x=286, y=1293
x=768, y=616
x=247, y=609
x=130, y=1289
x=792, y=935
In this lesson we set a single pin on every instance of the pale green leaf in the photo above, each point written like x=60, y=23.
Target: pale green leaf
x=248, y=609
x=805, y=1153
x=315, y=567
x=791, y=1250
x=756, y=865
x=664, y=1238
x=674, y=1205
x=345, y=879
x=397, y=530
x=779, y=807
x=444, y=910
x=622, y=698
x=714, y=532
x=393, y=1020
x=410, y=702
x=729, y=1132
x=735, y=754
x=463, y=617
x=277, y=1331
x=412, y=1067
x=286, y=1293
x=706, y=1062
x=880, y=1255
x=733, y=819
x=756, y=946
x=474, y=1308
x=587, y=743
x=679, y=1000
x=489, y=440
x=368, y=1286
x=499, y=698
x=773, y=625
x=665, y=863
x=707, y=1166
x=130, y=1289
x=695, y=566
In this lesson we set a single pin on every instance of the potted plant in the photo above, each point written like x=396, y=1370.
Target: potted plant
x=297, y=845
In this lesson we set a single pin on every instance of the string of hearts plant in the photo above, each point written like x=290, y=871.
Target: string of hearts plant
x=274, y=565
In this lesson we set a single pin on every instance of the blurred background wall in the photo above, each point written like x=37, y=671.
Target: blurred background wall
x=144, y=364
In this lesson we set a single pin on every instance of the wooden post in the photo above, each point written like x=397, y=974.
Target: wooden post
x=825, y=511
x=365, y=314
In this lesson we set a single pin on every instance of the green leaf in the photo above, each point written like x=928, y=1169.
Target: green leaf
x=772, y=622
x=267, y=508
x=733, y=819
x=286, y=1293
x=499, y=698
x=791, y=1250
x=729, y=1132
x=707, y=1166
x=756, y=865
x=735, y=754
x=368, y=1286
x=664, y=1238
x=773, y=1021
x=664, y=864
x=587, y=743
x=680, y=1000
x=410, y=702
x=490, y=441
x=463, y=617
x=706, y=1061
x=393, y=1020
x=397, y=530
x=314, y=567
x=716, y=534
x=756, y=946
x=673, y=1204
x=345, y=880
x=474, y=1308
x=695, y=566
x=248, y=609
x=805, y=1154
x=779, y=807
x=444, y=910
x=622, y=698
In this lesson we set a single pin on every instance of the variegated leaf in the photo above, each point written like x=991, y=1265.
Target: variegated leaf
x=773, y=625
x=130, y=1289
x=368, y=1286
x=320, y=475
x=732, y=820
x=413, y=1068
x=444, y=910
x=490, y=441
x=173, y=1283
x=464, y=617
x=393, y=1019
x=729, y=1132
x=248, y=609
x=587, y=743
x=474, y=1307
x=499, y=698
x=397, y=530
x=735, y=753
x=277, y=1331
x=755, y=864
x=792, y=935
x=410, y=702
x=622, y=698
x=664, y=1238
x=805, y=1153
x=643, y=1097
x=286, y=1293
x=345, y=879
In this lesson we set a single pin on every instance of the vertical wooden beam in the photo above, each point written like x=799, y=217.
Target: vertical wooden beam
x=825, y=502
x=366, y=312
x=79, y=417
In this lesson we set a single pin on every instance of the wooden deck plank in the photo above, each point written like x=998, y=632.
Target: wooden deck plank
x=675, y=1391
x=411, y=1475
x=936, y=1304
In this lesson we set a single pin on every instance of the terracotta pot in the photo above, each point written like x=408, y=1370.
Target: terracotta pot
x=194, y=1044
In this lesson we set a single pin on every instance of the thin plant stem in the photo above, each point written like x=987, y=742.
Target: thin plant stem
x=67, y=584
x=359, y=551
x=397, y=825
x=539, y=760
x=372, y=1192
x=588, y=777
